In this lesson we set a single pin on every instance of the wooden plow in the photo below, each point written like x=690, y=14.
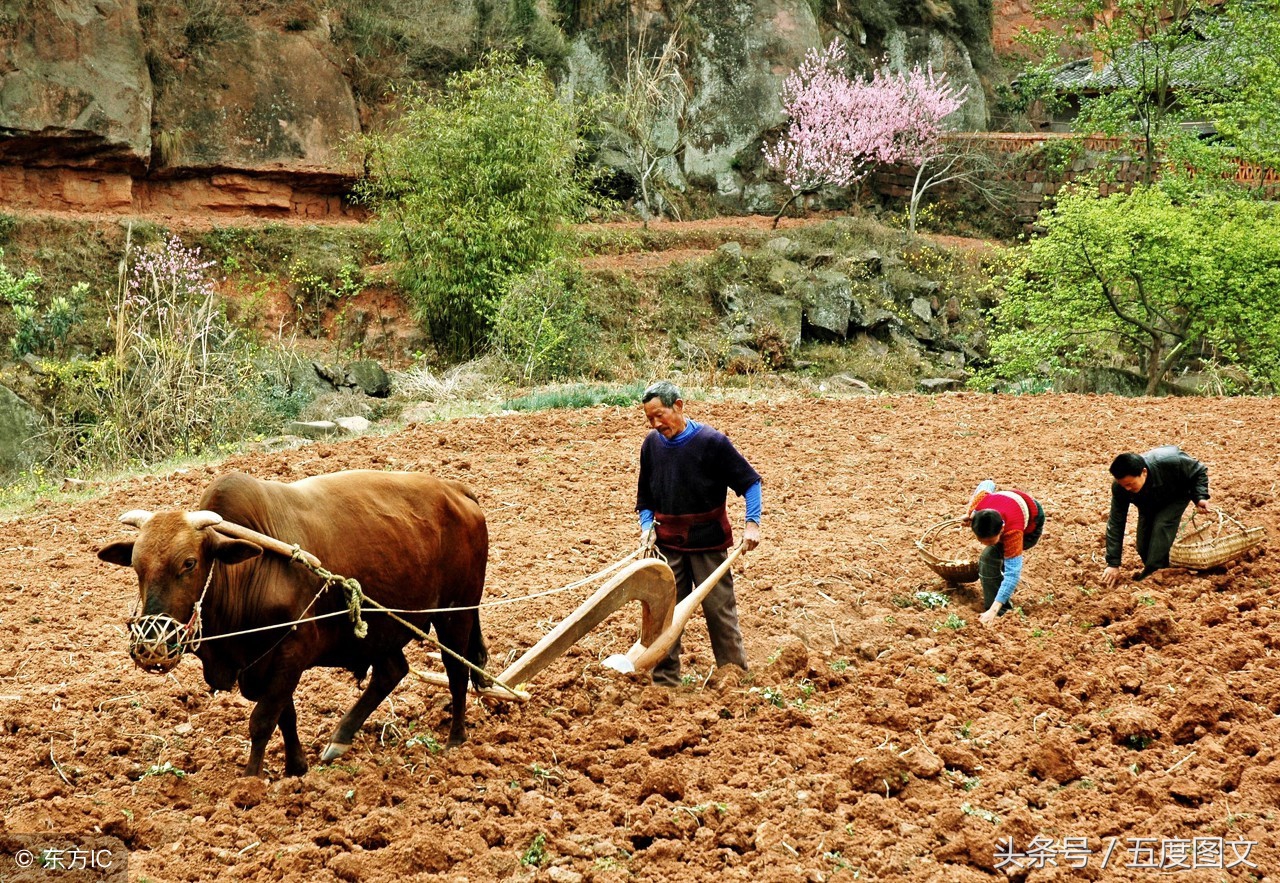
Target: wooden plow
x=648, y=581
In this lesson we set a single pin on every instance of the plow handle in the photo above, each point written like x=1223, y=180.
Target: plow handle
x=645, y=658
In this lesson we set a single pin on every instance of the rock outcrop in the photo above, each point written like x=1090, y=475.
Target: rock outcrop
x=74, y=86
x=213, y=109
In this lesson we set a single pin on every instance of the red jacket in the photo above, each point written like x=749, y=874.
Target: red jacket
x=1019, y=511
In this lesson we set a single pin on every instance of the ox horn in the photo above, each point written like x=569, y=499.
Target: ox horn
x=202, y=519
x=135, y=517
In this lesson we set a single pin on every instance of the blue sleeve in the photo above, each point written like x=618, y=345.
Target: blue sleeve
x=646, y=519
x=988, y=485
x=1012, y=573
x=752, y=496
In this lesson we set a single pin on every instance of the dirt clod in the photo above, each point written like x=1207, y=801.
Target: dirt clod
x=902, y=742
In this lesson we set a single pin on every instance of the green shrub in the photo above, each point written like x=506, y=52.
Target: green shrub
x=541, y=329
x=34, y=330
x=314, y=292
x=18, y=290
x=472, y=189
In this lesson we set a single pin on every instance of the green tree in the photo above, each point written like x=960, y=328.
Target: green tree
x=472, y=188
x=1149, y=280
x=1163, y=71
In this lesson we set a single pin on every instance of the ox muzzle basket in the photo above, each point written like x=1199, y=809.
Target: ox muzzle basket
x=157, y=642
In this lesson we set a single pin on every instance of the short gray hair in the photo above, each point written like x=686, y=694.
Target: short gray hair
x=664, y=391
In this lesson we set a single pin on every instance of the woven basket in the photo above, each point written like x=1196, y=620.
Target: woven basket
x=938, y=537
x=1213, y=544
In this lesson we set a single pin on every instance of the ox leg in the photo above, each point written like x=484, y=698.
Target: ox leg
x=275, y=709
x=458, y=679
x=456, y=633
x=295, y=758
x=387, y=672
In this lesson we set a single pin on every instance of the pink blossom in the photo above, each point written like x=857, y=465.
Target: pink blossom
x=841, y=128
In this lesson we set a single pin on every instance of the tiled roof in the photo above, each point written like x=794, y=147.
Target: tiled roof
x=1182, y=64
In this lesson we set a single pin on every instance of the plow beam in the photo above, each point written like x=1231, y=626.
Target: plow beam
x=648, y=581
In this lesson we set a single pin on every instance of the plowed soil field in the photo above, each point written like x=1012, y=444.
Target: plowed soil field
x=1124, y=734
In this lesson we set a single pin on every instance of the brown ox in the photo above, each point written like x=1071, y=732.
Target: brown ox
x=414, y=543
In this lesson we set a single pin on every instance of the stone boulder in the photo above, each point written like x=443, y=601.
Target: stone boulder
x=74, y=86
x=743, y=51
x=369, y=377
x=313, y=429
x=828, y=302
x=940, y=384
x=266, y=101
x=19, y=433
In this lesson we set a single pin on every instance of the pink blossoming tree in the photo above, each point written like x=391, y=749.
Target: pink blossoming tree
x=841, y=127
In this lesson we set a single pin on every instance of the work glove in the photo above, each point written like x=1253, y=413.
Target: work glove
x=648, y=539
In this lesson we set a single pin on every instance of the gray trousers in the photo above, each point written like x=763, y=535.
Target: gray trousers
x=720, y=608
x=1156, y=533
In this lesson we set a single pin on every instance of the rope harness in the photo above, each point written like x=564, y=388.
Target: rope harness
x=157, y=642
x=350, y=587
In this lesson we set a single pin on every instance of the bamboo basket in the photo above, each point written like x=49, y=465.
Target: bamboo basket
x=1213, y=544
x=939, y=539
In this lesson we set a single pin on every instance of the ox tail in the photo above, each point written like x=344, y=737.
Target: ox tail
x=477, y=653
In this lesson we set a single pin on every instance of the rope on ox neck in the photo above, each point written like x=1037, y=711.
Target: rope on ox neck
x=355, y=596
x=350, y=587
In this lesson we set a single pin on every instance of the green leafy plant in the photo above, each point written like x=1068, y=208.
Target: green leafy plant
x=535, y=854
x=977, y=812
x=953, y=622
x=426, y=740
x=472, y=189
x=163, y=769
x=837, y=859
x=1138, y=741
x=930, y=600
x=314, y=293
x=541, y=327
x=548, y=777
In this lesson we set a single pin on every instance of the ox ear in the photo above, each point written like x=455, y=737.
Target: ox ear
x=230, y=551
x=118, y=553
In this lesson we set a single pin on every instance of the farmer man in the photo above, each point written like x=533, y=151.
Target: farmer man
x=1160, y=483
x=686, y=470
x=1007, y=523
